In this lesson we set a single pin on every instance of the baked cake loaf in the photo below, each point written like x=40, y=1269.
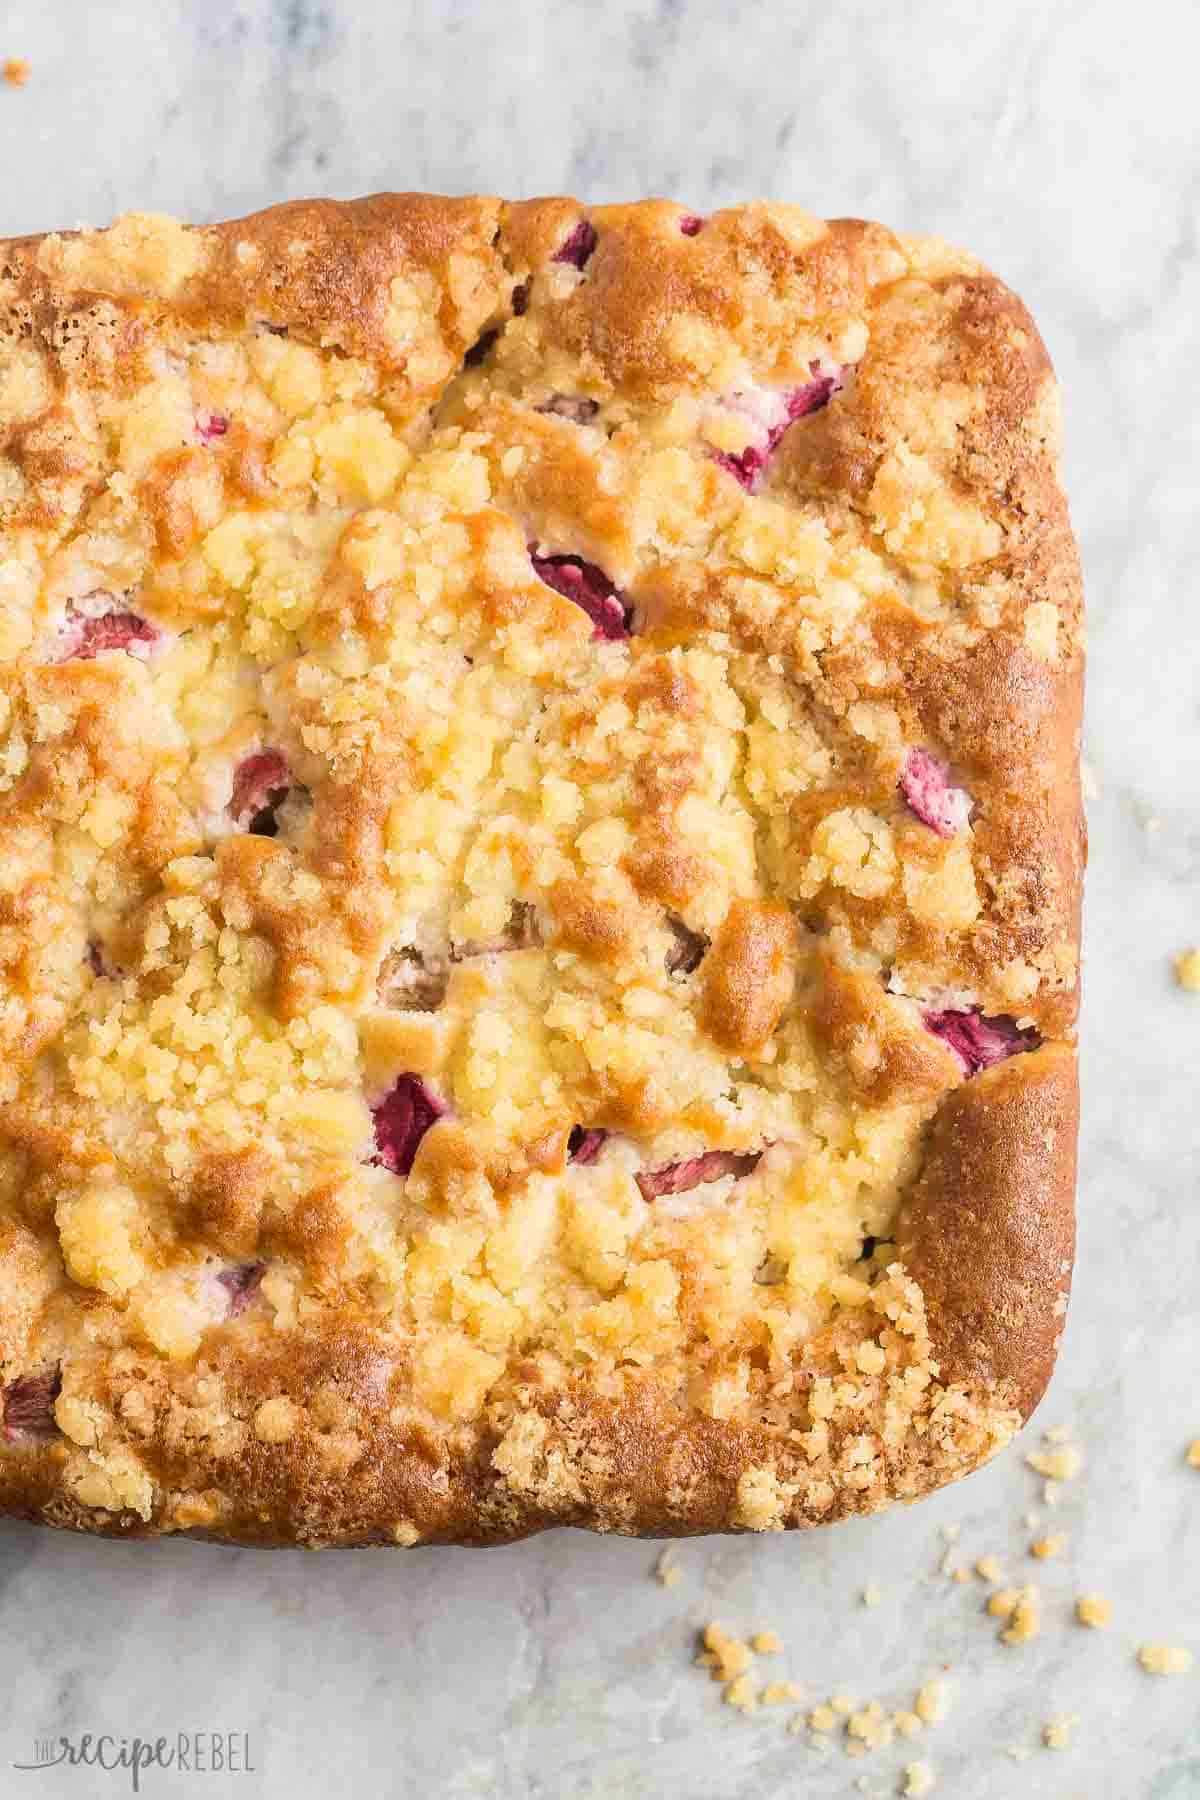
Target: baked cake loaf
x=540, y=856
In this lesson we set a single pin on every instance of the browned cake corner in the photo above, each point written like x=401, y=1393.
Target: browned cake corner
x=540, y=856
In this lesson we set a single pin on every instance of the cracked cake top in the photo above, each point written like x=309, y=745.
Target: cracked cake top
x=539, y=870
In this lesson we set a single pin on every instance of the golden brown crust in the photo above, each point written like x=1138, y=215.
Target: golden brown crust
x=989, y=1227
x=672, y=883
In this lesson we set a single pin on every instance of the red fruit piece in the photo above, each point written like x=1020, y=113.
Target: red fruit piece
x=691, y=224
x=772, y=411
x=571, y=406
x=210, y=425
x=681, y=1177
x=978, y=1042
x=29, y=1405
x=689, y=949
x=241, y=1282
x=409, y=981
x=260, y=785
x=402, y=1118
x=585, y=1146
x=85, y=636
x=589, y=588
x=925, y=785
x=578, y=247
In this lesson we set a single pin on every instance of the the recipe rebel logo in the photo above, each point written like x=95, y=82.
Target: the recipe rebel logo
x=220, y=1753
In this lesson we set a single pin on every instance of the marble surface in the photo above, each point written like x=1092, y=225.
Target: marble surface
x=1060, y=142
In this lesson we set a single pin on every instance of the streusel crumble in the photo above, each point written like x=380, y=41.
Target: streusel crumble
x=539, y=871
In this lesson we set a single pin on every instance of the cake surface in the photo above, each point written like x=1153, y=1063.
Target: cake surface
x=540, y=854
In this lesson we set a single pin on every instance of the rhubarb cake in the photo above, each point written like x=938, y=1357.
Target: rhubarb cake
x=540, y=856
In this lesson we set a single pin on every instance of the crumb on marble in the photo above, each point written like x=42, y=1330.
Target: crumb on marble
x=667, y=1571
x=742, y=1695
x=918, y=1778
x=725, y=1656
x=766, y=1643
x=930, y=1703
x=1094, y=1610
x=1046, y=1547
x=1164, y=1659
x=1021, y=1607
x=1060, y=1463
x=1193, y=1453
x=778, y=1693
x=1187, y=970
x=871, y=1595
x=1057, y=1732
x=870, y=1728
x=988, y=1569
x=17, y=71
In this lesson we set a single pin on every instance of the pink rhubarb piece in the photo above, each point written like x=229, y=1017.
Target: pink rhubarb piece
x=260, y=784
x=772, y=410
x=585, y=1146
x=927, y=790
x=681, y=1177
x=210, y=425
x=402, y=1118
x=85, y=635
x=241, y=1282
x=589, y=588
x=691, y=224
x=978, y=1042
x=29, y=1405
x=578, y=247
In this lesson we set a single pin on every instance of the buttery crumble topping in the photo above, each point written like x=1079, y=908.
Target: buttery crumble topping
x=496, y=888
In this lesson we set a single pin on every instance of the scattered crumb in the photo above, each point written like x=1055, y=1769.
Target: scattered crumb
x=667, y=1570
x=930, y=1703
x=776, y=1693
x=822, y=1718
x=950, y=1532
x=727, y=1657
x=918, y=1779
x=1057, y=1434
x=1062, y=1463
x=870, y=1727
x=1021, y=1607
x=988, y=1568
x=1093, y=1610
x=907, y=1724
x=1193, y=1453
x=1054, y=1545
x=766, y=1643
x=961, y=1574
x=1056, y=1732
x=1187, y=970
x=871, y=1596
x=1164, y=1659
x=742, y=1695
x=17, y=71
x=796, y=1724
x=842, y=1703
x=1020, y=1752
x=1050, y=1492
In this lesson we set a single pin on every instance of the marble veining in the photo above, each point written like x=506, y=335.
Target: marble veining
x=1060, y=142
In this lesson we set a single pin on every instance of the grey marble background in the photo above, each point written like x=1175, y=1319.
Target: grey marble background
x=1060, y=140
